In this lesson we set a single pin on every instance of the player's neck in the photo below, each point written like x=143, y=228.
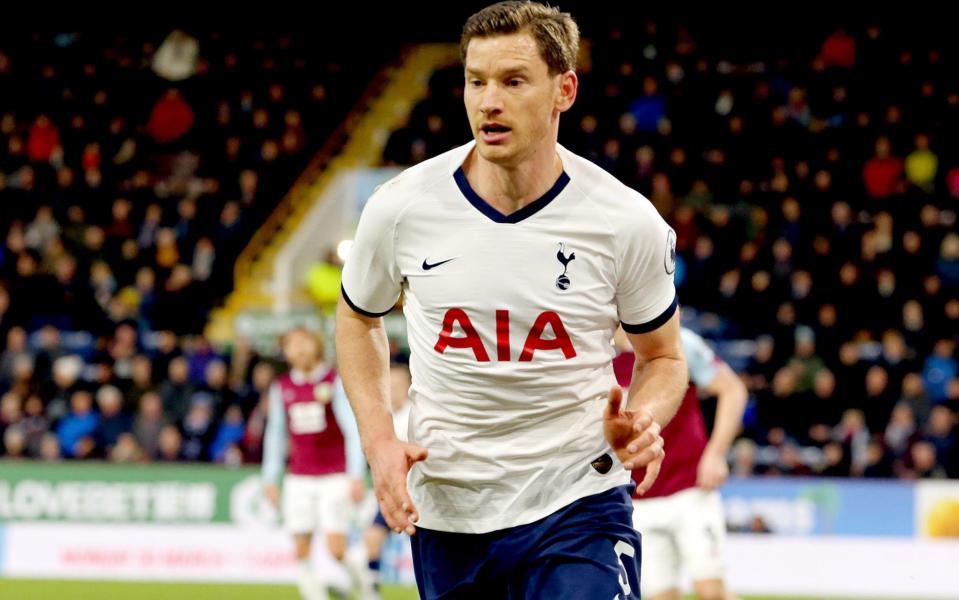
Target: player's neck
x=305, y=371
x=510, y=188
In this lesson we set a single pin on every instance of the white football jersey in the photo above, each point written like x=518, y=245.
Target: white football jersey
x=510, y=320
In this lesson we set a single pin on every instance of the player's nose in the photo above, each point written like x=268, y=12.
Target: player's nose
x=491, y=101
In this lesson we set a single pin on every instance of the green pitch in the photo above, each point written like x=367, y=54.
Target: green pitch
x=29, y=589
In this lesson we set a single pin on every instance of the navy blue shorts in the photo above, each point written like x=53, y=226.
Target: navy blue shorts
x=586, y=550
x=380, y=520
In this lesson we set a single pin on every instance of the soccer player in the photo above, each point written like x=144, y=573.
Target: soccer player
x=681, y=516
x=517, y=260
x=311, y=429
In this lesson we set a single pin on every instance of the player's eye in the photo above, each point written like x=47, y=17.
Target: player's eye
x=475, y=83
x=515, y=82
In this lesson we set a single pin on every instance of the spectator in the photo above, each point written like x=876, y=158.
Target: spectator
x=141, y=382
x=215, y=383
x=914, y=394
x=744, y=458
x=901, y=430
x=148, y=424
x=176, y=391
x=882, y=173
x=940, y=367
x=14, y=442
x=50, y=448
x=171, y=119
x=228, y=434
x=941, y=433
x=922, y=464
x=854, y=437
x=75, y=429
x=11, y=411
x=14, y=350
x=113, y=421
x=791, y=462
x=176, y=58
x=805, y=364
x=35, y=425
x=66, y=374
x=649, y=110
x=838, y=50
x=43, y=229
x=947, y=267
x=198, y=427
x=43, y=141
x=878, y=397
x=170, y=444
x=922, y=165
x=878, y=464
x=126, y=450
x=822, y=407
x=835, y=461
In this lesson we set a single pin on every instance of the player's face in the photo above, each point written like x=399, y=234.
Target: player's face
x=512, y=102
x=301, y=350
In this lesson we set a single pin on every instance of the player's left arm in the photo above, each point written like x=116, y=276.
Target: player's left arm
x=660, y=375
x=658, y=385
x=648, y=310
x=731, y=397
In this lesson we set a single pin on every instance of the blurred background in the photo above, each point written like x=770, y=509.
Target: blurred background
x=174, y=198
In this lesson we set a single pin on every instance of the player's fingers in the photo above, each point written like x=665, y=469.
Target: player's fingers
x=646, y=456
x=652, y=472
x=615, y=401
x=645, y=439
x=389, y=509
x=406, y=510
x=415, y=454
x=644, y=420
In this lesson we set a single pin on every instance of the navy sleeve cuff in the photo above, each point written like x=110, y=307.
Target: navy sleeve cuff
x=650, y=325
x=359, y=310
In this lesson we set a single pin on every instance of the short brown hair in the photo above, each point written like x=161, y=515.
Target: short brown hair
x=316, y=336
x=555, y=32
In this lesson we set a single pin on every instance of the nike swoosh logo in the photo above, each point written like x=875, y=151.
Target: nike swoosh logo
x=427, y=266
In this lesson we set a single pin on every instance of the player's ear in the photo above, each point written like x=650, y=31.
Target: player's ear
x=568, y=86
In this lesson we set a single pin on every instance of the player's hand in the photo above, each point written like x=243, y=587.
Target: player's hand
x=272, y=493
x=357, y=490
x=712, y=471
x=390, y=462
x=635, y=438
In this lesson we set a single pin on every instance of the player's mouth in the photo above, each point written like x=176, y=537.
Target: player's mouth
x=494, y=133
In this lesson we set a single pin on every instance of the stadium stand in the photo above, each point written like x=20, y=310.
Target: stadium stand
x=813, y=194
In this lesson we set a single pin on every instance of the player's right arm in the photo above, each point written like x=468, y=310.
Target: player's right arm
x=714, y=378
x=274, y=446
x=371, y=287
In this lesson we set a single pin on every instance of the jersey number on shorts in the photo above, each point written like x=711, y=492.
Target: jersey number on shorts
x=504, y=352
x=622, y=548
x=307, y=417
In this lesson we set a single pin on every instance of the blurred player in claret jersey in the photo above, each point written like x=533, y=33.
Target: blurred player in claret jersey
x=311, y=430
x=517, y=260
x=681, y=516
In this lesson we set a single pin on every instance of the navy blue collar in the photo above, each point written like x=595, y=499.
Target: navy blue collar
x=494, y=215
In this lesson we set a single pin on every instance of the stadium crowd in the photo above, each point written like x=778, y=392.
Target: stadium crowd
x=133, y=170
x=813, y=194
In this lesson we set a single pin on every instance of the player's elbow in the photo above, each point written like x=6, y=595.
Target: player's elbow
x=346, y=316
